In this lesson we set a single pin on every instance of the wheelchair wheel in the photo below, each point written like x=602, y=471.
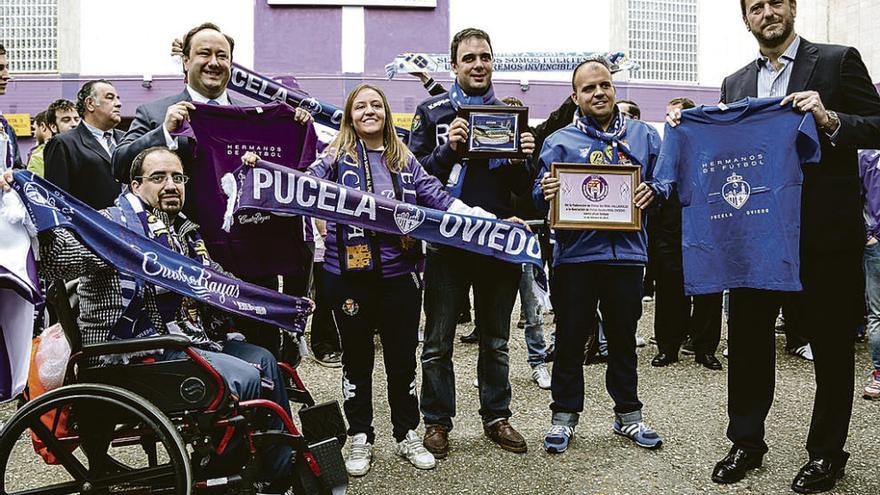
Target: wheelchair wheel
x=113, y=441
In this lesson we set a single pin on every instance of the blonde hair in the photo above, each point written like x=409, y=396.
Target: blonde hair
x=396, y=153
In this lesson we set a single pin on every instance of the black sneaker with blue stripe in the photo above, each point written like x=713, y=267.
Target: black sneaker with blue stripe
x=640, y=433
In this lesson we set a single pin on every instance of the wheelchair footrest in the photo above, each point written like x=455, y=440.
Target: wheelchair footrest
x=323, y=421
x=328, y=454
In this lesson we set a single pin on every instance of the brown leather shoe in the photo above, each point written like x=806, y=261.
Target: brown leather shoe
x=505, y=436
x=437, y=440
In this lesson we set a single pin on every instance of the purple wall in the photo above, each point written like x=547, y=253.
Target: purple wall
x=297, y=40
x=392, y=31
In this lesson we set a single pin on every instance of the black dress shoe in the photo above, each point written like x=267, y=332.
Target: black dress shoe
x=734, y=466
x=471, y=338
x=709, y=361
x=819, y=475
x=663, y=359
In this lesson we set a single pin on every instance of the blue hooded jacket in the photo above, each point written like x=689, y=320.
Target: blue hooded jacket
x=571, y=145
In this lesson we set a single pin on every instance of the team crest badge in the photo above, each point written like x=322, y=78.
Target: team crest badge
x=37, y=195
x=736, y=191
x=597, y=158
x=408, y=217
x=595, y=188
x=350, y=307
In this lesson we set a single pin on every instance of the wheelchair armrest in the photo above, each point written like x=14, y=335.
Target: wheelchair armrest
x=174, y=342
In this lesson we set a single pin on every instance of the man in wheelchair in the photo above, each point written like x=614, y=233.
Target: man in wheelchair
x=115, y=306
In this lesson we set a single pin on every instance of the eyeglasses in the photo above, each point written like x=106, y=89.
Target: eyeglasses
x=159, y=179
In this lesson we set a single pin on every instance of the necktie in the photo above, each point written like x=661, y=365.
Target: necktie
x=108, y=138
x=213, y=102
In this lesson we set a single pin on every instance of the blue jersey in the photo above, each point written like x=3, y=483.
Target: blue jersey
x=737, y=170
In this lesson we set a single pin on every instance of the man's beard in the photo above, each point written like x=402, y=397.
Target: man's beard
x=776, y=39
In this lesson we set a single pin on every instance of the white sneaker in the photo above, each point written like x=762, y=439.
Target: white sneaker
x=804, y=351
x=358, y=462
x=476, y=383
x=415, y=452
x=541, y=376
x=640, y=341
x=724, y=352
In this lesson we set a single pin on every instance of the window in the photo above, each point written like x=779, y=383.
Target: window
x=29, y=32
x=663, y=40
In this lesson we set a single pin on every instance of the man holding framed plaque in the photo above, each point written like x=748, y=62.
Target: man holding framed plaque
x=592, y=178
x=439, y=139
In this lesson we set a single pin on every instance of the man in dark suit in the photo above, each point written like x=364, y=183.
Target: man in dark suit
x=79, y=161
x=831, y=82
x=207, y=63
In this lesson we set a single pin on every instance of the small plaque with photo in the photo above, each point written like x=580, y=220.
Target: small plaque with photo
x=494, y=131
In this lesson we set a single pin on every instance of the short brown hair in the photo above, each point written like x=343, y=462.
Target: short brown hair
x=2, y=49
x=512, y=101
x=463, y=35
x=683, y=101
x=40, y=118
x=187, y=39
x=56, y=106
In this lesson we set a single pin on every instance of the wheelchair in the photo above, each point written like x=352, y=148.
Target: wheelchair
x=160, y=427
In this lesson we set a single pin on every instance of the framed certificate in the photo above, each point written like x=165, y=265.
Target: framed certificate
x=493, y=130
x=595, y=197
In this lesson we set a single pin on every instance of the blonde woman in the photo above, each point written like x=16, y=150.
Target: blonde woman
x=371, y=280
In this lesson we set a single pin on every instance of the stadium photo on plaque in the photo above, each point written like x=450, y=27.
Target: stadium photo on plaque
x=595, y=197
x=494, y=131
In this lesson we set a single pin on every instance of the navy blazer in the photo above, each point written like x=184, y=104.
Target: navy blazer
x=76, y=162
x=831, y=205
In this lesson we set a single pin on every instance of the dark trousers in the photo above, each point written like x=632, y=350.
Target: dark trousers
x=672, y=309
x=361, y=304
x=828, y=310
x=268, y=336
x=324, y=334
x=706, y=323
x=617, y=291
x=672, y=312
x=448, y=274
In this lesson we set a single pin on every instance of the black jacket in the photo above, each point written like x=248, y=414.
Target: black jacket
x=831, y=210
x=76, y=162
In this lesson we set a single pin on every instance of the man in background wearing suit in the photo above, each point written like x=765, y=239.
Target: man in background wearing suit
x=79, y=161
x=832, y=83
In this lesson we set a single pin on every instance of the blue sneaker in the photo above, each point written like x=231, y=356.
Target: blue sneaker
x=556, y=440
x=640, y=433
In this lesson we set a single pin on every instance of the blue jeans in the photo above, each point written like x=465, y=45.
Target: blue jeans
x=448, y=274
x=534, y=327
x=872, y=296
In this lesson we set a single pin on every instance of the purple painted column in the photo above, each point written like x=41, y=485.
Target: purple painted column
x=389, y=32
x=297, y=40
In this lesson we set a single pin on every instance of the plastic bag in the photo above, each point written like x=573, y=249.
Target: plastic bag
x=52, y=356
x=49, y=355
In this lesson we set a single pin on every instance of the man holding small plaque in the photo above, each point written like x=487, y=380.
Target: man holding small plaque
x=440, y=141
x=591, y=173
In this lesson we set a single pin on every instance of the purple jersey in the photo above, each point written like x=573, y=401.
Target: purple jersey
x=869, y=170
x=259, y=245
x=429, y=193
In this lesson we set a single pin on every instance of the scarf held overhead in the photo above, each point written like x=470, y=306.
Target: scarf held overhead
x=264, y=89
x=268, y=187
x=138, y=256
